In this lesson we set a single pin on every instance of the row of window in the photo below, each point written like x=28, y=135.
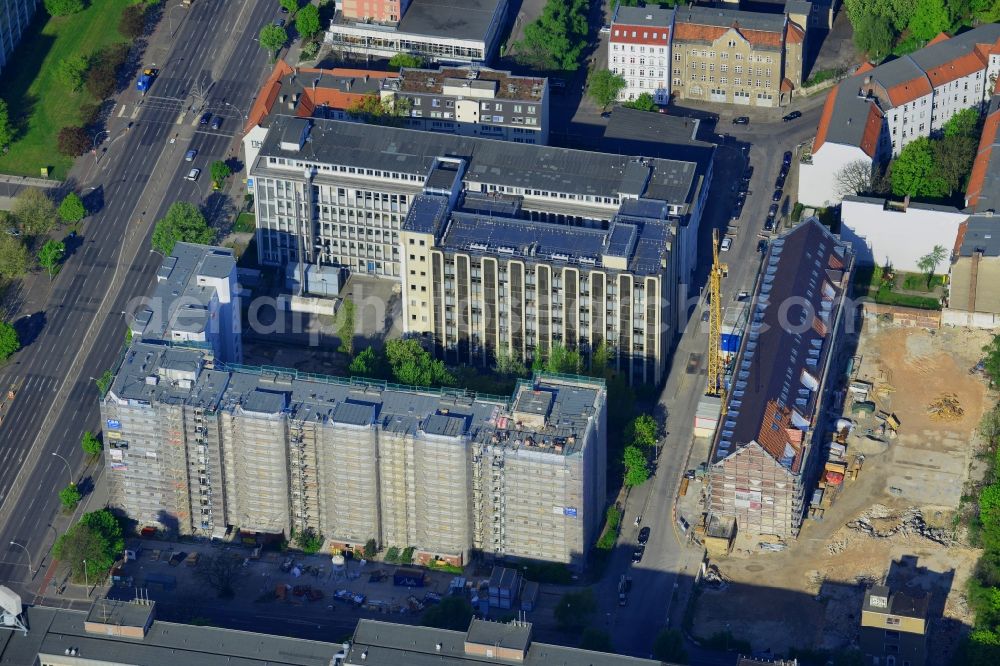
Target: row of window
x=725, y=80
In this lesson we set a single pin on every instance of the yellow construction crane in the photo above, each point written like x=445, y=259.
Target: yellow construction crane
x=716, y=372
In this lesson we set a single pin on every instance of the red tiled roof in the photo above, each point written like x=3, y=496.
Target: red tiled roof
x=873, y=128
x=865, y=68
x=825, y=118
x=957, y=68
x=979, y=166
x=941, y=36
x=787, y=86
x=909, y=91
x=693, y=32
x=774, y=440
x=267, y=95
x=662, y=34
x=794, y=34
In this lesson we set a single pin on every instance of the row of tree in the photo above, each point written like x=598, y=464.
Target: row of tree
x=307, y=23
x=884, y=26
x=557, y=38
x=32, y=218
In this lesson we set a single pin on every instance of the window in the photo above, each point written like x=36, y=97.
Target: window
x=738, y=81
x=892, y=621
x=723, y=80
x=732, y=44
x=723, y=68
x=738, y=69
x=677, y=57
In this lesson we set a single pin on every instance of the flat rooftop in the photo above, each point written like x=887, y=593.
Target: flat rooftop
x=506, y=85
x=338, y=401
x=453, y=19
x=531, y=167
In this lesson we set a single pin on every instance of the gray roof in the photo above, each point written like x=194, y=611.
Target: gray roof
x=178, y=301
x=803, y=267
x=494, y=162
x=51, y=631
x=989, y=189
x=337, y=400
x=455, y=19
x=798, y=7
x=850, y=113
x=982, y=234
x=387, y=644
x=654, y=17
x=900, y=603
x=955, y=47
x=897, y=72
x=634, y=132
x=725, y=18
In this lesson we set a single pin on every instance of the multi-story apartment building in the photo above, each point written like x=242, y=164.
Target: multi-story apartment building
x=484, y=280
x=735, y=57
x=15, y=15
x=196, y=445
x=769, y=448
x=639, y=50
x=196, y=302
x=434, y=29
x=472, y=101
x=336, y=193
x=894, y=627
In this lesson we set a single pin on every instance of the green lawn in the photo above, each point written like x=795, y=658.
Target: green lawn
x=39, y=105
x=245, y=223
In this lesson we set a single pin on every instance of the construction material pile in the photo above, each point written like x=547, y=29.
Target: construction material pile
x=946, y=408
x=879, y=523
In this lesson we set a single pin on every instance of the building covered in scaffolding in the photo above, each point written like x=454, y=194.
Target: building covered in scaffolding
x=199, y=446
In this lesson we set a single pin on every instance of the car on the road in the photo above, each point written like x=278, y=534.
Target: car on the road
x=762, y=245
x=279, y=22
x=644, y=535
x=284, y=10
x=605, y=29
x=769, y=224
x=743, y=295
x=777, y=195
x=177, y=558
x=205, y=117
x=741, y=120
x=727, y=243
x=190, y=155
x=786, y=159
x=638, y=553
x=705, y=315
x=779, y=182
x=216, y=122
x=13, y=231
x=193, y=175
x=772, y=211
x=624, y=587
x=736, y=211
x=788, y=117
x=605, y=114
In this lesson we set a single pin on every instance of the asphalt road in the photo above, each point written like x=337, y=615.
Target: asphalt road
x=80, y=331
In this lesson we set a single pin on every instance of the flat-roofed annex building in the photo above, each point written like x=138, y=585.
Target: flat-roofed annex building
x=199, y=446
x=336, y=193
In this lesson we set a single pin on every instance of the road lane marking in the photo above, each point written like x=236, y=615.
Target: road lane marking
x=180, y=118
x=121, y=111
x=136, y=112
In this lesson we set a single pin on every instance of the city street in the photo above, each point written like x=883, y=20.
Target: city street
x=78, y=331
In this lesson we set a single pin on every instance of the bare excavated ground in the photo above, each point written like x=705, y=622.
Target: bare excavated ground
x=895, y=521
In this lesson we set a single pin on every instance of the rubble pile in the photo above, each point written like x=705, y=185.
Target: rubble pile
x=879, y=524
x=946, y=408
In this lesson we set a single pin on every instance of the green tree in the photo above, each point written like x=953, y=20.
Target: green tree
x=104, y=382
x=364, y=364
x=562, y=360
x=221, y=572
x=929, y=262
x=6, y=129
x=71, y=71
x=346, y=326
x=73, y=141
x=13, y=256
x=91, y=445
x=596, y=640
x=374, y=110
x=636, y=466
x=220, y=171
x=308, y=540
x=574, y=610
x=874, y=35
x=10, y=342
x=272, y=38
x=72, y=209
x=401, y=60
x=963, y=123
x=371, y=549
x=63, y=7
x=133, y=21
x=108, y=526
x=556, y=39
x=953, y=157
x=930, y=17
x=991, y=363
x=34, y=211
x=912, y=172
x=507, y=365
x=70, y=497
x=643, y=102
x=642, y=431
x=97, y=539
x=897, y=12
x=291, y=5
x=307, y=21
x=183, y=222
x=605, y=86
x=453, y=613
x=50, y=256
x=412, y=364
x=669, y=646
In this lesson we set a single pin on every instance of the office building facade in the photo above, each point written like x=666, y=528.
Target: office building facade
x=15, y=15
x=197, y=446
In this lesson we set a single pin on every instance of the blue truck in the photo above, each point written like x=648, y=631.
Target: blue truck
x=146, y=80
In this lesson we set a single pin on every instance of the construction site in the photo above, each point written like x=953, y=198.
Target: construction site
x=885, y=506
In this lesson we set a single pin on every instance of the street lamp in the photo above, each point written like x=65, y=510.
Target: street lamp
x=86, y=578
x=26, y=552
x=68, y=468
x=97, y=158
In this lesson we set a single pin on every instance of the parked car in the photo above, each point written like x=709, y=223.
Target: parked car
x=193, y=175
x=217, y=122
x=279, y=22
x=743, y=295
x=772, y=211
x=777, y=195
x=644, y=535
x=788, y=117
x=727, y=243
x=605, y=29
x=638, y=553
x=748, y=174
x=205, y=117
x=177, y=558
x=786, y=160
x=741, y=120
x=284, y=10
x=769, y=224
x=190, y=155
x=762, y=245
x=780, y=181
